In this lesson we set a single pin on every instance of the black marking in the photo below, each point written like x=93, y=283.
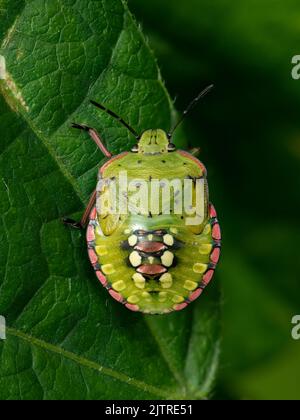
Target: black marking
x=125, y=246
x=171, y=147
x=177, y=245
x=135, y=149
x=153, y=277
x=147, y=255
x=140, y=232
x=128, y=263
x=159, y=232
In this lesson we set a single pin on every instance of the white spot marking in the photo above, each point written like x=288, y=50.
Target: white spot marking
x=132, y=240
x=167, y=259
x=166, y=281
x=200, y=268
x=135, y=259
x=139, y=280
x=133, y=299
x=119, y=286
x=169, y=240
x=178, y=299
x=108, y=269
x=190, y=285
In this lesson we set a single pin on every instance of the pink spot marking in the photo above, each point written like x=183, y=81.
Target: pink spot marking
x=216, y=232
x=180, y=306
x=107, y=164
x=195, y=295
x=197, y=161
x=90, y=235
x=93, y=256
x=150, y=247
x=208, y=277
x=101, y=278
x=93, y=214
x=116, y=295
x=215, y=255
x=151, y=270
x=212, y=211
x=133, y=308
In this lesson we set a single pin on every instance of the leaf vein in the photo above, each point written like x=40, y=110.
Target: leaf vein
x=89, y=364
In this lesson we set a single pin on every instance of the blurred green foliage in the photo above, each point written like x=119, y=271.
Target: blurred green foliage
x=249, y=134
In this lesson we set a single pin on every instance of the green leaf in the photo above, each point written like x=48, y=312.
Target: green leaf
x=66, y=339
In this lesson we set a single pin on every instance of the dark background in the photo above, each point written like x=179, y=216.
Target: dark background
x=248, y=130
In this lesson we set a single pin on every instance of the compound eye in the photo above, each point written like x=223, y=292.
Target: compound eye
x=135, y=149
x=171, y=147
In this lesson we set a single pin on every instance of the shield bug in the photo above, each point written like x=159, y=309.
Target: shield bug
x=145, y=248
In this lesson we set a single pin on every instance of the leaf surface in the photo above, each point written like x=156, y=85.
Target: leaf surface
x=66, y=338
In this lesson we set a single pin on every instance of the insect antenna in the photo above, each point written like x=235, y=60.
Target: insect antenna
x=191, y=106
x=114, y=115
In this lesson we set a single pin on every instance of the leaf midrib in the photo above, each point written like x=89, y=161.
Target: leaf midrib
x=89, y=364
x=178, y=376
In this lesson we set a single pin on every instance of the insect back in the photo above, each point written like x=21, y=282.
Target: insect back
x=153, y=237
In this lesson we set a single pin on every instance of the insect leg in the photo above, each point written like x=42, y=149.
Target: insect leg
x=84, y=220
x=95, y=137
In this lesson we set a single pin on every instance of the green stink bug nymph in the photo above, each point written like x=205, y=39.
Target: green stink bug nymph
x=154, y=241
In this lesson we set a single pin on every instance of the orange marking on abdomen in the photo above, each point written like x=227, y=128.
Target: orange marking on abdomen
x=151, y=270
x=150, y=247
